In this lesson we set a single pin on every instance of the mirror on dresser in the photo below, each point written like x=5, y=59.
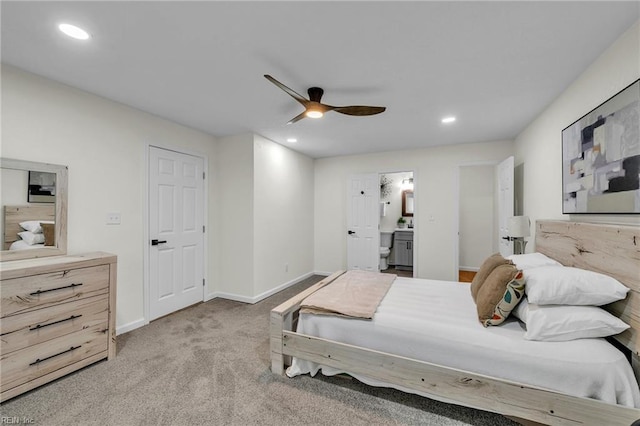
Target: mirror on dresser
x=35, y=193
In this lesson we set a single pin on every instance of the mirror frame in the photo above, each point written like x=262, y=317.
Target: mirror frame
x=404, y=202
x=61, y=210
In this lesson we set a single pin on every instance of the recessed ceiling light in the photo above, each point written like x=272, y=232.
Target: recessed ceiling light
x=73, y=31
x=448, y=120
x=292, y=140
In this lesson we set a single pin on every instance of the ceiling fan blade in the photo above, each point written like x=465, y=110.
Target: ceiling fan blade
x=359, y=110
x=291, y=92
x=298, y=117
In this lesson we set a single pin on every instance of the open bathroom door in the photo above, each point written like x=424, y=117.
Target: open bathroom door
x=363, y=237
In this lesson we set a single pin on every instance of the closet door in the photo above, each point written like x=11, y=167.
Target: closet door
x=505, y=204
x=176, y=230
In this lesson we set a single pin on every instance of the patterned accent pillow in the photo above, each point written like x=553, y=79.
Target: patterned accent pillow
x=500, y=294
x=487, y=267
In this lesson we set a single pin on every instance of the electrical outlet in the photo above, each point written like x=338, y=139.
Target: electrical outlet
x=113, y=218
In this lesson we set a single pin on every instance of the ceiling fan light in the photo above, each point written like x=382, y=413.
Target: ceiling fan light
x=312, y=113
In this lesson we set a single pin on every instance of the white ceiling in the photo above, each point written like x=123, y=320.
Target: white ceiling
x=494, y=65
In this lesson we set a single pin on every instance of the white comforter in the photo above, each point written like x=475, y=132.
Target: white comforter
x=436, y=321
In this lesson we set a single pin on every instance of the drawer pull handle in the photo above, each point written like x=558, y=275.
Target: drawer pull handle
x=39, y=326
x=35, y=293
x=38, y=361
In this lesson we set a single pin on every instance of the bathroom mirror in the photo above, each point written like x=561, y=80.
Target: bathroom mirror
x=407, y=203
x=18, y=177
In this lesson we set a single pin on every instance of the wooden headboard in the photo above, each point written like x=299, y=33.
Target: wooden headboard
x=613, y=250
x=13, y=215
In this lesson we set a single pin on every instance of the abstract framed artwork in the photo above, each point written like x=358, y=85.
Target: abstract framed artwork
x=42, y=187
x=601, y=157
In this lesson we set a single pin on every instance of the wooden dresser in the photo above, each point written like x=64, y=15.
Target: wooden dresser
x=57, y=316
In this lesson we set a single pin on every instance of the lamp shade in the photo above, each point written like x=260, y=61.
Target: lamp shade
x=519, y=226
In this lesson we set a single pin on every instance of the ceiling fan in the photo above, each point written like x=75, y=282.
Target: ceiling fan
x=314, y=109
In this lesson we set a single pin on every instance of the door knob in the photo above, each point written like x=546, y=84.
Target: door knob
x=156, y=242
x=351, y=232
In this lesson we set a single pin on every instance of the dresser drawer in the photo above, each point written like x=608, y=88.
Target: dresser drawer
x=27, y=364
x=19, y=331
x=37, y=291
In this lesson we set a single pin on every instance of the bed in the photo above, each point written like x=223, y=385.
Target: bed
x=609, y=249
x=14, y=215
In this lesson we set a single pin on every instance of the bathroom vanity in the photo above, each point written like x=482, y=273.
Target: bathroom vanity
x=403, y=248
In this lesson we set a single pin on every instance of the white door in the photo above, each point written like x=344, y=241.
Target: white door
x=176, y=230
x=505, y=204
x=363, y=247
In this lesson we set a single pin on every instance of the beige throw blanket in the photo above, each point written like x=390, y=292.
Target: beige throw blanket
x=354, y=294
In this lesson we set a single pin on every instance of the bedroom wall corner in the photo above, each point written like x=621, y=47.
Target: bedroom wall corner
x=235, y=186
x=539, y=147
x=283, y=216
x=103, y=143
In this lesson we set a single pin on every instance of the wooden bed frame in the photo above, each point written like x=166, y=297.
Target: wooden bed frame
x=13, y=215
x=609, y=249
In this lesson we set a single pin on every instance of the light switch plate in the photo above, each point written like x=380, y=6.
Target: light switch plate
x=113, y=218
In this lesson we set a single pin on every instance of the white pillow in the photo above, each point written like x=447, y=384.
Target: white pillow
x=564, y=285
x=559, y=323
x=31, y=238
x=532, y=260
x=21, y=245
x=32, y=226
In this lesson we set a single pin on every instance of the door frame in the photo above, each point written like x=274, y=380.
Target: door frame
x=456, y=223
x=146, y=294
x=416, y=214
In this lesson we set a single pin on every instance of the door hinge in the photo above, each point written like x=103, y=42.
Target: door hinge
x=203, y=231
x=203, y=282
x=203, y=176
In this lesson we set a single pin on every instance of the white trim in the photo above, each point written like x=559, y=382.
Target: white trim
x=262, y=296
x=469, y=268
x=231, y=296
x=131, y=326
x=145, y=236
x=145, y=221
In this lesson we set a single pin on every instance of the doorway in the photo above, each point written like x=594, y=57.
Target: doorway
x=176, y=231
x=476, y=228
x=485, y=202
x=398, y=221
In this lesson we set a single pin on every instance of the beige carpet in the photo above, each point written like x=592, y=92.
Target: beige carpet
x=209, y=365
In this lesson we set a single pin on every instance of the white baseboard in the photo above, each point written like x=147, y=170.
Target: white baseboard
x=229, y=296
x=259, y=297
x=469, y=268
x=237, y=297
x=131, y=326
